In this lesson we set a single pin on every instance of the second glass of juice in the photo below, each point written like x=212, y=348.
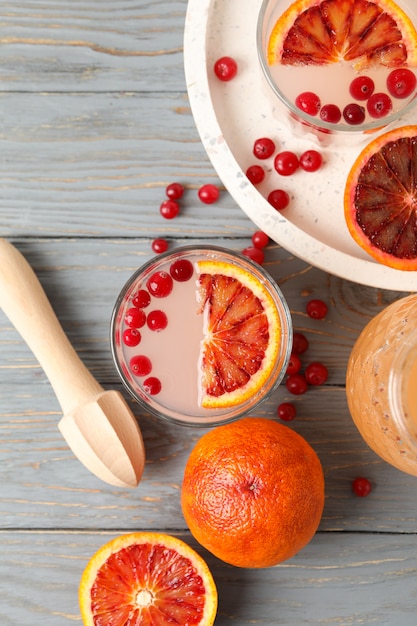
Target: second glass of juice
x=310, y=67
x=201, y=335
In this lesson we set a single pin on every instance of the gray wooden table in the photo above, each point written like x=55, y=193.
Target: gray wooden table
x=95, y=122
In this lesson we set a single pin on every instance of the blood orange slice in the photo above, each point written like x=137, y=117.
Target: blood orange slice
x=242, y=334
x=381, y=198
x=147, y=578
x=363, y=32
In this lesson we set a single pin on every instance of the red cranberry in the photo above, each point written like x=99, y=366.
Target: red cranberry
x=255, y=254
x=174, y=191
x=255, y=174
x=157, y=320
x=330, y=113
x=142, y=299
x=362, y=87
x=131, y=337
x=299, y=343
x=286, y=163
x=135, y=318
x=263, y=148
x=152, y=385
x=361, y=487
x=296, y=384
x=308, y=102
x=311, y=160
x=140, y=365
x=159, y=245
x=279, y=199
x=317, y=309
x=294, y=364
x=181, y=270
x=379, y=105
x=169, y=209
x=208, y=193
x=160, y=284
x=316, y=374
x=401, y=82
x=225, y=68
x=286, y=411
x=260, y=239
x=354, y=114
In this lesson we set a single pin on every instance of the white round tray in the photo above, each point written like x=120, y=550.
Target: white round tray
x=231, y=115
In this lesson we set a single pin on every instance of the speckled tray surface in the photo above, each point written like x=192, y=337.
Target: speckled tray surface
x=230, y=116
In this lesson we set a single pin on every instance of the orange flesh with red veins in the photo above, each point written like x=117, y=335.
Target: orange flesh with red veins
x=159, y=573
x=238, y=334
x=369, y=33
x=386, y=198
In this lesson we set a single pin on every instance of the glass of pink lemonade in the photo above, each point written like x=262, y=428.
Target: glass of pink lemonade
x=345, y=68
x=201, y=335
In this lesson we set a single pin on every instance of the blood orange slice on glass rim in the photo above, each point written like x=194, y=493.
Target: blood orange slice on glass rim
x=380, y=199
x=242, y=333
x=365, y=33
x=147, y=578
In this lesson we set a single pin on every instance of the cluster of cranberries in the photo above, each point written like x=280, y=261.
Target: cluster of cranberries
x=159, y=285
x=315, y=373
x=170, y=207
x=208, y=194
x=286, y=163
x=255, y=252
x=401, y=83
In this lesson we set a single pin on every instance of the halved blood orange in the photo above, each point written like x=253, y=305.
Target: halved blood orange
x=147, y=578
x=363, y=32
x=242, y=334
x=381, y=198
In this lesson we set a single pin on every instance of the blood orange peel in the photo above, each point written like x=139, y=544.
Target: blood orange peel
x=362, y=32
x=253, y=492
x=380, y=200
x=242, y=331
x=147, y=578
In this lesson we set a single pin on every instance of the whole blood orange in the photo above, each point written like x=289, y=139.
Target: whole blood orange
x=147, y=578
x=242, y=334
x=381, y=198
x=363, y=32
x=253, y=492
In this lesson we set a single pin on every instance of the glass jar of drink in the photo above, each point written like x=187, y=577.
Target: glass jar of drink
x=201, y=335
x=381, y=384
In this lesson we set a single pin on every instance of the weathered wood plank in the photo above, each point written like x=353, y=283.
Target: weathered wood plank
x=95, y=45
x=337, y=580
x=42, y=485
x=97, y=165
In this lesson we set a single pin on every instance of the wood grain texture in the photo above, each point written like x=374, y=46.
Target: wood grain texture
x=94, y=45
x=95, y=122
x=343, y=580
x=96, y=165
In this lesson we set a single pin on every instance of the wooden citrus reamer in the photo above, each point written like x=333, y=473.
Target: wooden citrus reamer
x=98, y=425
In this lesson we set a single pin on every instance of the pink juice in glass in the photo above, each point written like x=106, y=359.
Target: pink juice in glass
x=160, y=324
x=388, y=91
